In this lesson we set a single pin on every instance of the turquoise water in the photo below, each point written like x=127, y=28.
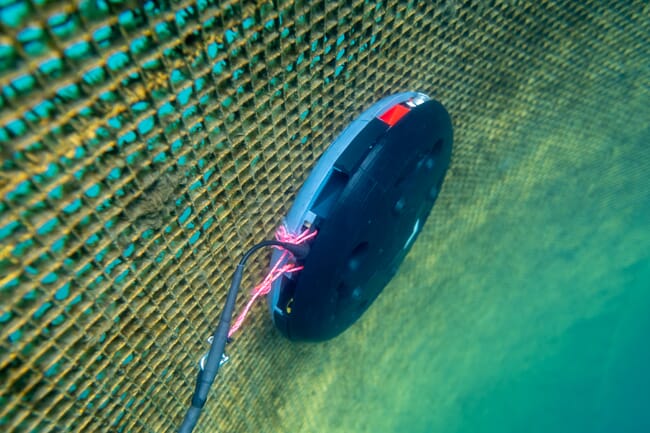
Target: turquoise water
x=592, y=378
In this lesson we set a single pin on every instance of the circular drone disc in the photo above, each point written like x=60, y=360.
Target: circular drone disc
x=368, y=196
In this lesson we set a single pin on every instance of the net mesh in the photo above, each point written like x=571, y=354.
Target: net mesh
x=145, y=145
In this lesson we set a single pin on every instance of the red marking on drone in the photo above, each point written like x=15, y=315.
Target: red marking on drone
x=281, y=267
x=394, y=114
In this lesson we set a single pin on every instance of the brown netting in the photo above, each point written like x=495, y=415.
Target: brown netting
x=145, y=145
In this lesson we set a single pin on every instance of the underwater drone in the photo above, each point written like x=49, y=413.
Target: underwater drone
x=351, y=225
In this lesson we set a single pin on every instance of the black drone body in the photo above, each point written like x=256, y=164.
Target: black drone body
x=368, y=197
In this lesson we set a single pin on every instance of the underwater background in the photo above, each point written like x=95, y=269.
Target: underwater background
x=146, y=144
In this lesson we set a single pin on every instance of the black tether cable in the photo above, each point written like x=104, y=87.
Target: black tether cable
x=213, y=361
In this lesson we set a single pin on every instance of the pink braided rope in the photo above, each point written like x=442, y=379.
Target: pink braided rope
x=280, y=268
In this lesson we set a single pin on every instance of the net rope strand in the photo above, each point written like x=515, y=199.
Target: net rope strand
x=280, y=268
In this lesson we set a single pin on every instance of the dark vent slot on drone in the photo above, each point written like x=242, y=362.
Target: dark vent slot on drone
x=330, y=193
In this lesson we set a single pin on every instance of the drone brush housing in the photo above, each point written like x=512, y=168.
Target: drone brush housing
x=368, y=197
